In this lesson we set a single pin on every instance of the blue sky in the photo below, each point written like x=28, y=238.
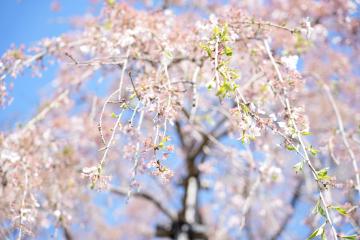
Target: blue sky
x=25, y=22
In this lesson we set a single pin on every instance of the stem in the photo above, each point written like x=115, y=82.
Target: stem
x=147, y=196
x=217, y=78
x=343, y=135
x=123, y=72
x=195, y=96
x=111, y=138
x=299, y=137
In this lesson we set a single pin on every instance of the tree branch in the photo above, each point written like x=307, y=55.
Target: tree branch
x=343, y=135
x=294, y=200
x=146, y=196
x=67, y=234
x=180, y=134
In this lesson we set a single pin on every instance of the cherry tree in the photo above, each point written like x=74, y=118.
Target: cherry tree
x=221, y=121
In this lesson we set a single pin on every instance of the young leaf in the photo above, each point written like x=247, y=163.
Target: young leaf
x=339, y=209
x=228, y=51
x=245, y=108
x=313, y=151
x=216, y=32
x=317, y=232
x=299, y=167
x=224, y=36
x=319, y=209
x=350, y=237
x=206, y=48
x=113, y=115
x=322, y=174
x=111, y=2
x=163, y=141
x=305, y=133
x=290, y=147
x=323, y=236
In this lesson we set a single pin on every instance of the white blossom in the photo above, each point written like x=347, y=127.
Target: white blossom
x=85, y=49
x=290, y=61
x=308, y=27
x=213, y=19
x=12, y=156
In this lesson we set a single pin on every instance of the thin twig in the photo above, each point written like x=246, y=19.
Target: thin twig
x=217, y=77
x=299, y=137
x=117, y=123
x=147, y=196
x=123, y=71
x=294, y=200
x=137, y=156
x=41, y=115
x=343, y=134
x=195, y=95
x=102, y=114
x=270, y=24
x=133, y=85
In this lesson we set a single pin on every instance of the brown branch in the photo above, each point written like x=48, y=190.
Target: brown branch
x=67, y=234
x=293, y=202
x=180, y=134
x=133, y=85
x=207, y=138
x=119, y=60
x=270, y=24
x=150, y=198
x=38, y=56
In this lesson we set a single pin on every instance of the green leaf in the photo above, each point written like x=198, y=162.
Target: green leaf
x=322, y=174
x=234, y=75
x=290, y=147
x=319, y=209
x=113, y=115
x=225, y=88
x=350, y=237
x=313, y=151
x=305, y=133
x=245, y=108
x=244, y=138
x=323, y=236
x=206, y=48
x=317, y=232
x=224, y=36
x=253, y=52
x=168, y=54
x=163, y=141
x=339, y=209
x=228, y=51
x=301, y=43
x=222, y=72
x=299, y=167
x=221, y=32
x=111, y=2
x=132, y=96
x=216, y=32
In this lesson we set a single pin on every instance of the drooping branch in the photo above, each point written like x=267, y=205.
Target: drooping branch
x=343, y=136
x=148, y=197
x=286, y=105
x=293, y=202
x=180, y=135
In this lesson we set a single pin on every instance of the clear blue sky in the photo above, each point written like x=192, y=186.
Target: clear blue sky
x=25, y=22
